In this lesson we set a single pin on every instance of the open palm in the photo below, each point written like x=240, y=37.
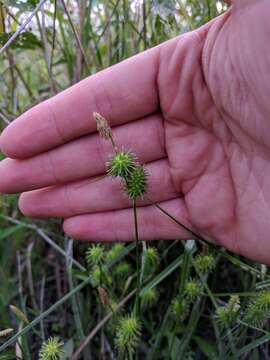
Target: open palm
x=194, y=109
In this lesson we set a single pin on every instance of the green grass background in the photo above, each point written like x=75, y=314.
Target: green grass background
x=40, y=269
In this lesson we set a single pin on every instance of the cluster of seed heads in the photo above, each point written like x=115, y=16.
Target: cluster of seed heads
x=123, y=163
x=257, y=312
x=193, y=289
x=181, y=304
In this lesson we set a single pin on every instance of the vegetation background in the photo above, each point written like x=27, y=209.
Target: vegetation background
x=197, y=302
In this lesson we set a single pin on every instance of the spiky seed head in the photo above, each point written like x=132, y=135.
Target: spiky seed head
x=149, y=297
x=258, y=311
x=52, y=349
x=151, y=255
x=180, y=308
x=227, y=315
x=128, y=334
x=136, y=183
x=263, y=300
x=98, y=276
x=122, y=269
x=192, y=290
x=95, y=254
x=151, y=260
x=103, y=126
x=121, y=164
x=114, y=252
x=204, y=263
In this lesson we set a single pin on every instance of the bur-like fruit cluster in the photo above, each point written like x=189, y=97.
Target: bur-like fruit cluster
x=180, y=308
x=228, y=314
x=114, y=253
x=204, y=263
x=128, y=333
x=151, y=260
x=122, y=164
x=136, y=184
x=52, y=349
x=149, y=297
x=192, y=290
x=95, y=254
x=258, y=311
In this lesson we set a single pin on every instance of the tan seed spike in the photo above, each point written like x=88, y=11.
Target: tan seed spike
x=6, y=332
x=102, y=126
x=104, y=297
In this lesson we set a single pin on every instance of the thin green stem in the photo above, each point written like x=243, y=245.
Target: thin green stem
x=137, y=301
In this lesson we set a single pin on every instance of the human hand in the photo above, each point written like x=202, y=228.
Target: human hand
x=194, y=109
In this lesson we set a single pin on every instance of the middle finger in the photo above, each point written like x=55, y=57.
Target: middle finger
x=96, y=195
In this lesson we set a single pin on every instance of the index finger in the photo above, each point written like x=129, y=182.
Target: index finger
x=121, y=93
